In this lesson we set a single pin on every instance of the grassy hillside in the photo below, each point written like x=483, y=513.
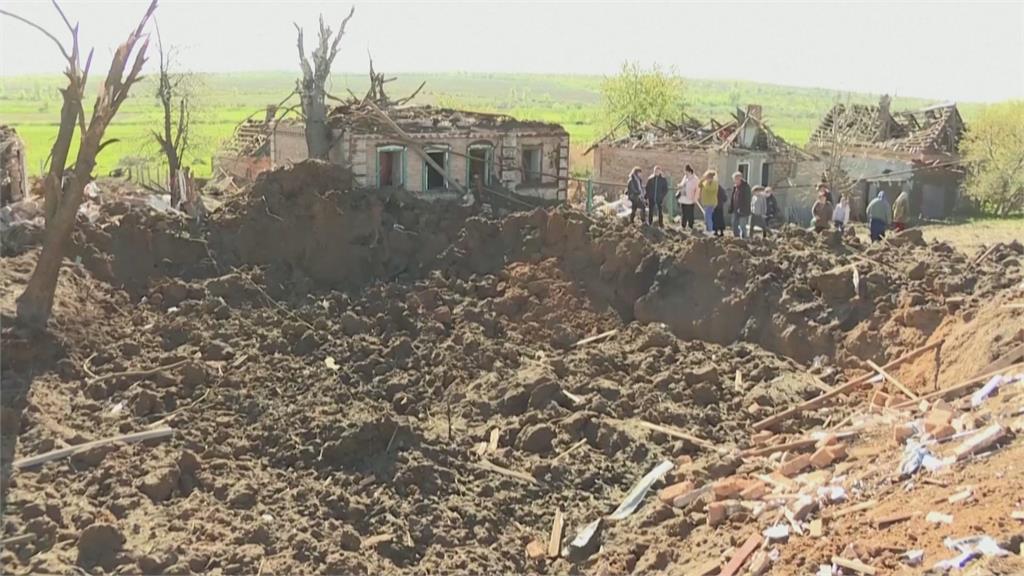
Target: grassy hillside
x=32, y=104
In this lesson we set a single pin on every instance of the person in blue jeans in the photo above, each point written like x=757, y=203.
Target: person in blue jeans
x=739, y=206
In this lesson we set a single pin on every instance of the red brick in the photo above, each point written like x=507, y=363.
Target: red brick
x=728, y=487
x=821, y=458
x=717, y=512
x=755, y=491
x=670, y=493
x=900, y=432
x=795, y=465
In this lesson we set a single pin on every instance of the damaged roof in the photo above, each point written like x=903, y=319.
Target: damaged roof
x=432, y=120
x=746, y=131
x=936, y=129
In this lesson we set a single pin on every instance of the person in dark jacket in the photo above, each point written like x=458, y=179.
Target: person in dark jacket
x=739, y=207
x=657, y=190
x=635, y=192
x=718, y=215
x=773, y=207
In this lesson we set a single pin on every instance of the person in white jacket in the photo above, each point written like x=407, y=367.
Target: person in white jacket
x=686, y=194
x=841, y=213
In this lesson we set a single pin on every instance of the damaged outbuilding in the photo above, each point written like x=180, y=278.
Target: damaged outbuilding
x=916, y=151
x=745, y=144
x=472, y=148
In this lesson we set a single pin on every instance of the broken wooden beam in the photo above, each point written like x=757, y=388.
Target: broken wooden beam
x=555, y=539
x=677, y=433
x=957, y=389
x=491, y=467
x=595, y=338
x=52, y=455
x=892, y=380
x=850, y=509
x=887, y=521
x=855, y=565
x=851, y=385
x=740, y=557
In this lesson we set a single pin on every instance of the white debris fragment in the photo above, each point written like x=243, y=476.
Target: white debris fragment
x=913, y=557
x=939, y=518
x=777, y=533
x=632, y=500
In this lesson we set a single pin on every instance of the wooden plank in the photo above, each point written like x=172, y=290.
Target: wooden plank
x=733, y=566
x=854, y=565
x=555, y=540
x=492, y=444
x=800, y=444
x=377, y=539
x=135, y=437
x=821, y=385
x=892, y=380
x=677, y=433
x=595, y=338
x=570, y=449
x=894, y=519
x=851, y=385
x=958, y=389
x=491, y=467
x=1005, y=361
x=850, y=509
x=15, y=540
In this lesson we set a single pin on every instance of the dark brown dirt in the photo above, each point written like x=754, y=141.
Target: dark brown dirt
x=350, y=353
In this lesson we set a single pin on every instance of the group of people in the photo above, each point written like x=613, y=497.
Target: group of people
x=750, y=208
x=881, y=216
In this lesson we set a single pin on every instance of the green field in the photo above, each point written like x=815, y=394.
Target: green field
x=32, y=105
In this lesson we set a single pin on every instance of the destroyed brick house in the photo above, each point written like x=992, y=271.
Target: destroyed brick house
x=916, y=151
x=498, y=151
x=745, y=144
x=13, y=173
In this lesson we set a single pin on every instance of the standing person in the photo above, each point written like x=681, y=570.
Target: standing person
x=759, y=211
x=900, y=211
x=718, y=214
x=773, y=207
x=841, y=214
x=822, y=212
x=709, y=198
x=739, y=206
x=635, y=193
x=686, y=193
x=823, y=187
x=878, y=217
x=657, y=190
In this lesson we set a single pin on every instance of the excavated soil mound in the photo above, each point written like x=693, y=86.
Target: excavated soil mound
x=362, y=383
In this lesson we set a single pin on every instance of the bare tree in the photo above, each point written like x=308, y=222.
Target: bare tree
x=65, y=185
x=173, y=89
x=312, y=86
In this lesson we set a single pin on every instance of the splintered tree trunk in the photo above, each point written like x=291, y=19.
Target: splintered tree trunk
x=318, y=134
x=36, y=302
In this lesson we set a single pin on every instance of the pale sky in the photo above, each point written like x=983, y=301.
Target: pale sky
x=965, y=51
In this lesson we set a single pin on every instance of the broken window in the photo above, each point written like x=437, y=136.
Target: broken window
x=432, y=179
x=766, y=170
x=744, y=168
x=479, y=164
x=391, y=166
x=531, y=164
